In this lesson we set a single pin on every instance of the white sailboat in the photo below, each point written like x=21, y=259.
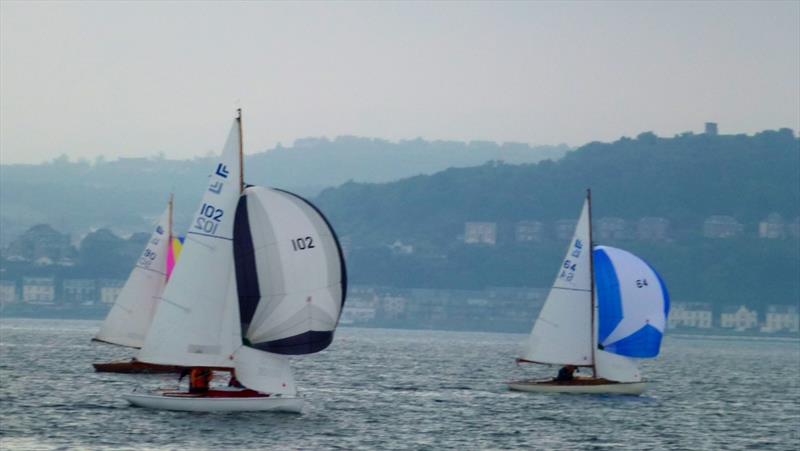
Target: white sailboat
x=607, y=309
x=129, y=318
x=261, y=277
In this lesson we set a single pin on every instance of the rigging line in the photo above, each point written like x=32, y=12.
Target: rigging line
x=573, y=289
x=210, y=236
x=145, y=268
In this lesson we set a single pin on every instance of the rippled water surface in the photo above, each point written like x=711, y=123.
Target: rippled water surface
x=393, y=389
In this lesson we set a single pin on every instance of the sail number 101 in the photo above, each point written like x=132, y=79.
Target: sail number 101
x=303, y=243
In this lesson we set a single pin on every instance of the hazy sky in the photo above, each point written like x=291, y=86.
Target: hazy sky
x=138, y=78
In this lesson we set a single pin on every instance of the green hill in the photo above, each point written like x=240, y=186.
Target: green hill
x=685, y=180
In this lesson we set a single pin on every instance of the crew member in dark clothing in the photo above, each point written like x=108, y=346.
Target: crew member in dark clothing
x=566, y=373
x=199, y=380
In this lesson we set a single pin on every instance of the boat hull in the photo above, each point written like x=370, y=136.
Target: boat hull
x=135, y=367
x=596, y=387
x=181, y=401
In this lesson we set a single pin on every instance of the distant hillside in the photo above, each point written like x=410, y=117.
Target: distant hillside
x=126, y=194
x=683, y=180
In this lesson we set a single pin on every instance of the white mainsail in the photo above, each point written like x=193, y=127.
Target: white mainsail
x=195, y=323
x=562, y=334
x=129, y=319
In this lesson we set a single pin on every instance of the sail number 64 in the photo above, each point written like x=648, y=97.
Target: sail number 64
x=299, y=244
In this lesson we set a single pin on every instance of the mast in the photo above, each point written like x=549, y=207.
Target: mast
x=169, y=228
x=592, y=333
x=241, y=150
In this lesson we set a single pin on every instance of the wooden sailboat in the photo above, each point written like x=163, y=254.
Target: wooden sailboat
x=261, y=277
x=129, y=318
x=606, y=309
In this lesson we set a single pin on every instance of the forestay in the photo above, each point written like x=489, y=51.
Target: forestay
x=290, y=273
x=562, y=334
x=633, y=304
x=130, y=317
x=195, y=323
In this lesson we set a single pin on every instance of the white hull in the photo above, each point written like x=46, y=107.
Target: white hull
x=617, y=388
x=158, y=400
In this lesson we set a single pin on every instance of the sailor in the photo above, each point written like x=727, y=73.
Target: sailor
x=566, y=373
x=199, y=380
x=233, y=382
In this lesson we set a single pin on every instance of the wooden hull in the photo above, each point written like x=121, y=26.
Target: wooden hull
x=135, y=367
x=580, y=386
x=182, y=401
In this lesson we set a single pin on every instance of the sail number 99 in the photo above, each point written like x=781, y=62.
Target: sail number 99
x=299, y=244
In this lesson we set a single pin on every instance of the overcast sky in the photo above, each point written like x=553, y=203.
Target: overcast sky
x=134, y=79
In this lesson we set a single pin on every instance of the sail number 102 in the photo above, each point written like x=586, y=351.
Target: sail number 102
x=209, y=218
x=303, y=243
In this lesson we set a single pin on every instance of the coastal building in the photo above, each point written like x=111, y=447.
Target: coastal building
x=719, y=226
x=354, y=315
x=652, y=229
x=611, y=228
x=565, y=228
x=772, y=227
x=781, y=318
x=39, y=290
x=738, y=318
x=78, y=291
x=8, y=291
x=109, y=290
x=690, y=316
x=711, y=129
x=480, y=233
x=793, y=228
x=400, y=248
x=529, y=231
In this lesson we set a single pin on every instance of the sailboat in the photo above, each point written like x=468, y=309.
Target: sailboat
x=607, y=309
x=129, y=318
x=261, y=278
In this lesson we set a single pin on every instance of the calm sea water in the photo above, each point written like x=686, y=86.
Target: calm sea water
x=395, y=389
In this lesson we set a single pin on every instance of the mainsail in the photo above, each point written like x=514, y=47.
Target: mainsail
x=562, y=332
x=189, y=328
x=130, y=317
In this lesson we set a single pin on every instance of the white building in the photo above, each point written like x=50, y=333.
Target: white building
x=529, y=231
x=782, y=318
x=109, y=290
x=480, y=233
x=8, y=291
x=39, y=290
x=719, y=226
x=772, y=227
x=739, y=319
x=357, y=315
x=694, y=316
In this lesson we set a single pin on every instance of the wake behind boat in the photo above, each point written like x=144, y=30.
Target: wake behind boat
x=261, y=277
x=606, y=309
